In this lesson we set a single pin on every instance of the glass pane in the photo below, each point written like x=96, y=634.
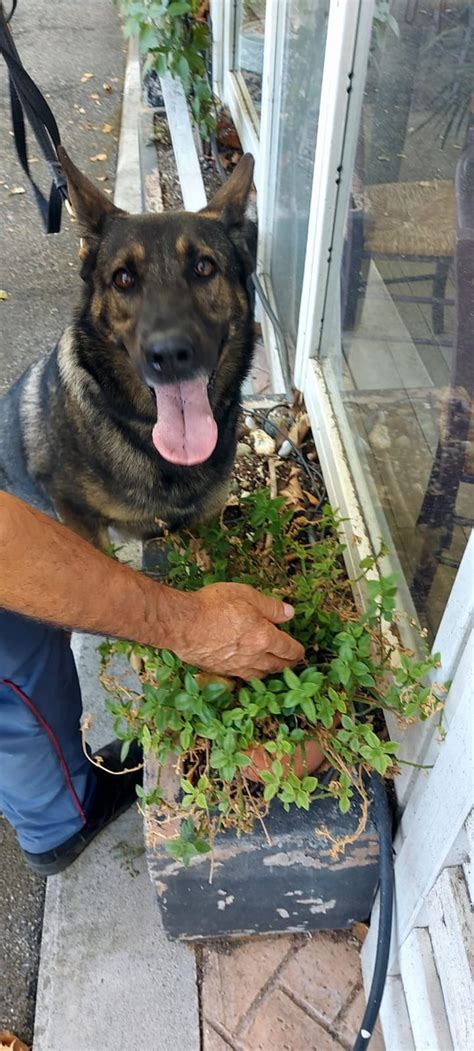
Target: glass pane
x=250, y=30
x=303, y=56
x=404, y=365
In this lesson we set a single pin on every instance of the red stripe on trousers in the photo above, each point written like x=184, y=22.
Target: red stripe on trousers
x=55, y=743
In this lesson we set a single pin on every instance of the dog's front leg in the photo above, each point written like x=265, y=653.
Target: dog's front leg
x=90, y=527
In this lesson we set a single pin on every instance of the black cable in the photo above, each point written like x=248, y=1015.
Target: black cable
x=383, y=823
x=12, y=12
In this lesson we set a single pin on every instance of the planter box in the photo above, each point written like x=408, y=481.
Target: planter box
x=292, y=885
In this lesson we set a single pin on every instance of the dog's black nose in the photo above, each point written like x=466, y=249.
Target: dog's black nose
x=170, y=358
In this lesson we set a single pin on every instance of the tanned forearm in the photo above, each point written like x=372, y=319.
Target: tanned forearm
x=50, y=574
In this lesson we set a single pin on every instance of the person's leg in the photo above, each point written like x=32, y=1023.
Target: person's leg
x=54, y=797
x=46, y=782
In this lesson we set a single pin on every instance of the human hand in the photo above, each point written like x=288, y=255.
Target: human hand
x=230, y=629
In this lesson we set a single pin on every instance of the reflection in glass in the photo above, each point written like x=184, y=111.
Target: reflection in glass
x=305, y=40
x=405, y=367
x=249, y=47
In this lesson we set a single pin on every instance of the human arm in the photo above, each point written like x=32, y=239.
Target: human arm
x=51, y=574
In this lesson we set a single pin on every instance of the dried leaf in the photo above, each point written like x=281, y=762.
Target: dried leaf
x=293, y=492
x=16, y=190
x=299, y=430
x=360, y=931
x=10, y=1042
x=136, y=662
x=85, y=77
x=99, y=157
x=106, y=128
x=4, y=295
x=204, y=679
x=311, y=498
x=201, y=556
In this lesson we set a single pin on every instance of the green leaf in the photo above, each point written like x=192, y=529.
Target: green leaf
x=146, y=738
x=270, y=791
x=160, y=63
x=186, y=737
x=167, y=658
x=148, y=38
x=183, y=702
x=202, y=846
x=124, y=751
x=178, y=7
x=191, y=685
x=277, y=768
x=267, y=777
x=308, y=707
x=292, y=680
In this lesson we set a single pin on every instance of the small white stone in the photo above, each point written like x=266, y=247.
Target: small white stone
x=365, y=1033
x=263, y=443
x=285, y=449
x=250, y=423
x=243, y=449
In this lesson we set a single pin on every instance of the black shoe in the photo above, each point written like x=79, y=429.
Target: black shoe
x=112, y=797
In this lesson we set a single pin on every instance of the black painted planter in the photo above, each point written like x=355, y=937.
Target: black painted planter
x=293, y=885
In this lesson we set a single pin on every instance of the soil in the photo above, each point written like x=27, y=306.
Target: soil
x=227, y=143
x=168, y=173
x=210, y=176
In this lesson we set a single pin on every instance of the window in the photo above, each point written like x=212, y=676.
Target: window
x=294, y=132
x=361, y=117
x=248, y=48
x=402, y=367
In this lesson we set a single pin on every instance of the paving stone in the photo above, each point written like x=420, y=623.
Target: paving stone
x=282, y=1026
x=348, y=1025
x=323, y=974
x=212, y=1041
x=234, y=977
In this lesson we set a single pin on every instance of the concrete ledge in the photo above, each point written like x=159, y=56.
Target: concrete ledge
x=108, y=974
x=128, y=184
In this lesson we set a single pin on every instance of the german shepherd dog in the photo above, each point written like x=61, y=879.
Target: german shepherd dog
x=132, y=418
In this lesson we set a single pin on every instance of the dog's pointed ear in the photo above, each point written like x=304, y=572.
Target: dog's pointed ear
x=230, y=201
x=228, y=206
x=91, y=207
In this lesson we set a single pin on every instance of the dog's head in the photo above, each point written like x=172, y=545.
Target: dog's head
x=172, y=289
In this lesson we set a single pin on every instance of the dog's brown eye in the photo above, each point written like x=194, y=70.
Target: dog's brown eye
x=123, y=279
x=204, y=267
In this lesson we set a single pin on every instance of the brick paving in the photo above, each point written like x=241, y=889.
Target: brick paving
x=283, y=994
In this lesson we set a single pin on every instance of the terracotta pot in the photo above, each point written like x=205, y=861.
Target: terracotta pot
x=307, y=758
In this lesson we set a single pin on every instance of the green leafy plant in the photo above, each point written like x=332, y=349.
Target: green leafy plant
x=212, y=728
x=175, y=40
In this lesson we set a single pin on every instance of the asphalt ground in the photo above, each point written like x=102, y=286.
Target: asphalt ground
x=59, y=44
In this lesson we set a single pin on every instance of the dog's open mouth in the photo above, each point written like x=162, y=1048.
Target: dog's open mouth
x=185, y=431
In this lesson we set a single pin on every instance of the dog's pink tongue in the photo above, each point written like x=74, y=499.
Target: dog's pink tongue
x=185, y=431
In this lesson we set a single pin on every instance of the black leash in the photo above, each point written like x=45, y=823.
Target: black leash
x=27, y=101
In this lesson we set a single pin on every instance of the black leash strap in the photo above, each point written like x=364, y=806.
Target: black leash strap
x=26, y=100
